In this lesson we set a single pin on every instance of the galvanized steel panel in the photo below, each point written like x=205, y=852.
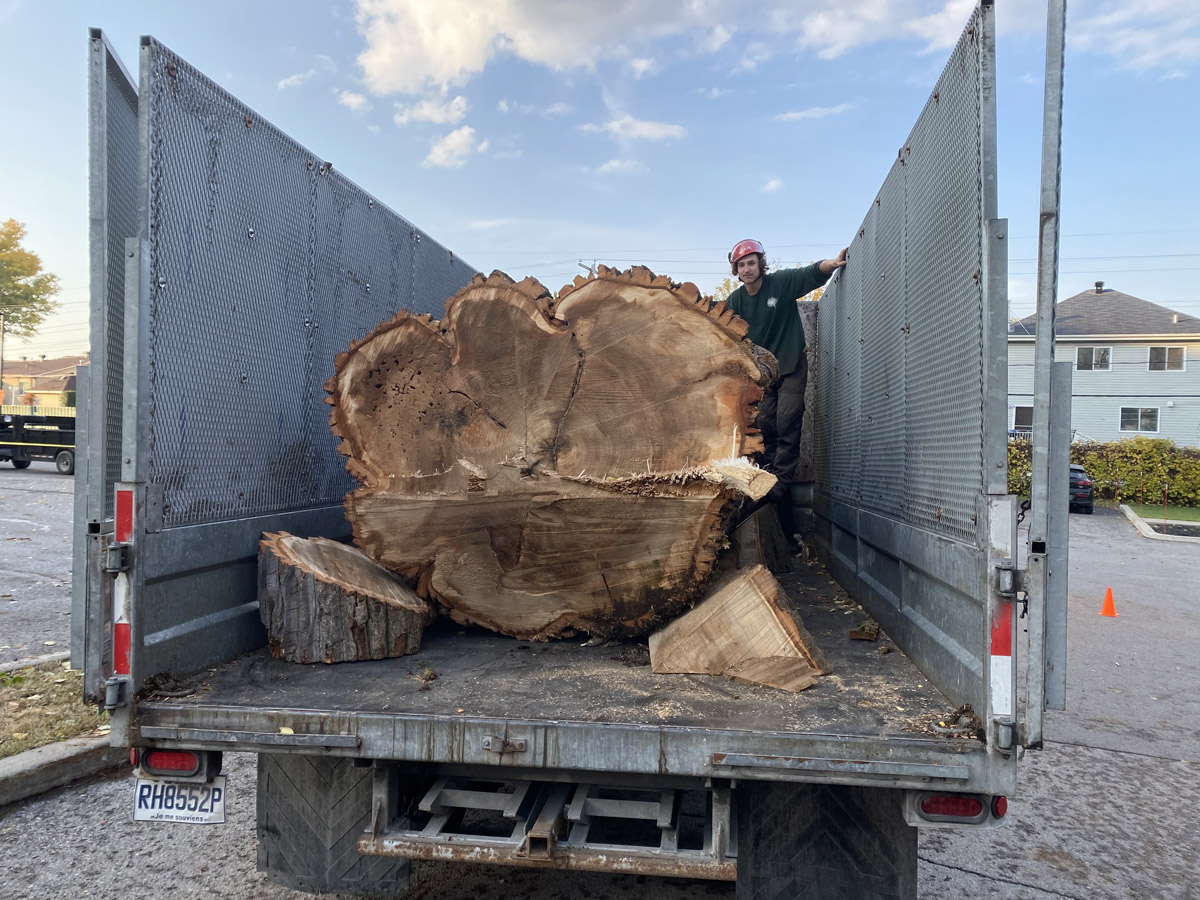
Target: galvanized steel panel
x=264, y=263
x=902, y=337
x=112, y=217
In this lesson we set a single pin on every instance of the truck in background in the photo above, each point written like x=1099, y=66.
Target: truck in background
x=225, y=254
x=29, y=432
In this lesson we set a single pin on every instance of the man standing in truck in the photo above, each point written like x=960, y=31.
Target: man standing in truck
x=767, y=301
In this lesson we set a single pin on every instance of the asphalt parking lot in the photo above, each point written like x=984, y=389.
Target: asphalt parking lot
x=36, y=506
x=1110, y=809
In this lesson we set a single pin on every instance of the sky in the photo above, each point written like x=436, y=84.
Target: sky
x=541, y=136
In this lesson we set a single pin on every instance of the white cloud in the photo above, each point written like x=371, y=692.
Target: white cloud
x=413, y=45
x=1154, y=34
x=507, y=154
x=637, y=129
x=641, y=67
x=432, y=111
x=813, y=112
x=715, y=41
x=711, y=93
x=327, y=63
x=296, y=80
x=451, y=152
x=620, y=167
x=355, y=102
x=374, y=129
x=557, y=109
x=482, y=148
x=771, y=186
x=755, y=54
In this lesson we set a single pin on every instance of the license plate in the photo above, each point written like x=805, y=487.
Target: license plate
x=156, y=800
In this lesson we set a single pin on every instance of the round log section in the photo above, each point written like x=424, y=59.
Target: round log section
x=322, y=601
x=544, y=464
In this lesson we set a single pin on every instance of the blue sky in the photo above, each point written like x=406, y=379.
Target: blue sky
x=530, y=136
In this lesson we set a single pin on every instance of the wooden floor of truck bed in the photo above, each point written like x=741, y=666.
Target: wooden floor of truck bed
x=480, y=674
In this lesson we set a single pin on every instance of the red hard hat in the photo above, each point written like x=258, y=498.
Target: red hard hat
x=744, y=248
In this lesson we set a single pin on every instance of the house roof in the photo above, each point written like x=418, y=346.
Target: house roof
x=55, y=385
x=37, y=368
x=1108, y=312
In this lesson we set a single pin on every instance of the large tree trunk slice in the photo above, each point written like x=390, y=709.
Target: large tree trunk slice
x=322, y=601
x=540, y=466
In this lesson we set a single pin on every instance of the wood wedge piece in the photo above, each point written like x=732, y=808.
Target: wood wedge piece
x=322, y=601
x=743, y=624
x=788, y=673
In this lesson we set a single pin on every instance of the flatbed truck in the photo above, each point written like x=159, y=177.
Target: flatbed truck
x=227, y=256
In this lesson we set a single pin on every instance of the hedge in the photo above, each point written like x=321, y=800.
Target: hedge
x=1133, y=469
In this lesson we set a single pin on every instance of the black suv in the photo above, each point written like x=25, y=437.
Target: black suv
x=1081, y=490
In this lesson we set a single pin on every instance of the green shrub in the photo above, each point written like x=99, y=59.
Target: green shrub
x=1129, y=470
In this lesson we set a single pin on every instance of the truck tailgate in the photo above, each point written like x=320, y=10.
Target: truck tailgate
x=568, y=705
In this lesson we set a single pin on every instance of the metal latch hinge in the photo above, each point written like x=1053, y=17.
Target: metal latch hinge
x=116, y=692
x=498, y=744
x=116, y=558
x=1009, y=579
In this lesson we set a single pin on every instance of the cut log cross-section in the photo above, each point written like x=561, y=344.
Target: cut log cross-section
x=322, y=601
x=540, y=465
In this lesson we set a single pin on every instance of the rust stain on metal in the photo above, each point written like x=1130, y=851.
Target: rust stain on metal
x=578, y=859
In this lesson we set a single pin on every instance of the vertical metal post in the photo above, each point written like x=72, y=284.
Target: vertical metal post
x=1047, y=286
x=1058, y=529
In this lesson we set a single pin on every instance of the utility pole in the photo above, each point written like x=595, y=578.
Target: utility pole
x=1, y=357
x=590, y=269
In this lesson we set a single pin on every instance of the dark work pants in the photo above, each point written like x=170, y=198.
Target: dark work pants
x=781, y=418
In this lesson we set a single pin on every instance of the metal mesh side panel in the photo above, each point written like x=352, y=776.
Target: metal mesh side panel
x=907, y=437
x=944, y=268
x=883, y=394
x=845, y=415
x=264, y=264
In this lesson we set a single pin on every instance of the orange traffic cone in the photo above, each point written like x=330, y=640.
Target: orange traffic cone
x=1108, y=609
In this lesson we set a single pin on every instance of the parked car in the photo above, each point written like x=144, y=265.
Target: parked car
x=1081, y=489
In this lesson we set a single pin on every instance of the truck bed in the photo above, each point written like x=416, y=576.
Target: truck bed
x=568, y=699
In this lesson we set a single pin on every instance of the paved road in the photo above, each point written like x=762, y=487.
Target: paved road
x=36, y=507
x=1109, y=810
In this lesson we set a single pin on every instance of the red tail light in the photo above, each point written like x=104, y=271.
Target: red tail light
x=172, y=762
x=1086, y=482
x=958, y=807
x=999, y=806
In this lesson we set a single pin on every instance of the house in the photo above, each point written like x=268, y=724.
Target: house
x=40, y=382
x=1136, y=367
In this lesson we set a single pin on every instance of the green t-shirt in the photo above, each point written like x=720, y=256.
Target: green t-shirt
x=772, y=313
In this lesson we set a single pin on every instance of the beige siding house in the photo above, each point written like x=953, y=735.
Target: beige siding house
x=1136, y=368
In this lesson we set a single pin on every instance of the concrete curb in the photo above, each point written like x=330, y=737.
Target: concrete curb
x=55, y=765
x=1145, y=530
x=35, y=661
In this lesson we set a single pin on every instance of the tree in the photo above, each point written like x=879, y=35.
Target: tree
x=25, y=290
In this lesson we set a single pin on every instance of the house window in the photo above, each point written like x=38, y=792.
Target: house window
x=1135, y=418
x=1023, y=419
x=1093, y=359
x=1166, y=359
